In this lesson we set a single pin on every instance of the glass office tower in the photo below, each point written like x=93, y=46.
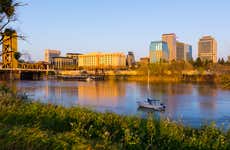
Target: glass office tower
x=158, y=51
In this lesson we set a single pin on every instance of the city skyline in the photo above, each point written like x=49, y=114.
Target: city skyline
x=119, y=26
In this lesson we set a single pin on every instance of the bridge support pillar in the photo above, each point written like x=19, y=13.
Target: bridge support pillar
x=10, y=75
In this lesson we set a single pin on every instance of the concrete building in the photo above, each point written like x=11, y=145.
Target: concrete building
x=180, y=51
x=144, y=60
x=102, y=61
x=49, y=54
x=130, y=60
x=158, y=51
x=207, y=49
x=74, y=56
x=170, y=39
x=183, y=51
x=63, y=63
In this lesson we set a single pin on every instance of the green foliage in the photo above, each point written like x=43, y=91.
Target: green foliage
x=164, y=68
x=32, y=125
x=225, y=81
x=17, y=55
x=7, y=15
x=7, y=7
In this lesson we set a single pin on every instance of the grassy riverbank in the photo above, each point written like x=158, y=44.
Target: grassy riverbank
x=31, y=125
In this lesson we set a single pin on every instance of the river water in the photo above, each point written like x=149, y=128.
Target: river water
x=193, y=104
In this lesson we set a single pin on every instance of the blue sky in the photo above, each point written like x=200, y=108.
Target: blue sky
x=119, y=25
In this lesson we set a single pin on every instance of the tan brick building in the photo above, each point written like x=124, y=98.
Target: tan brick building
x=49, y=54
x=170, y=39
x=207, y=49
x=102, y=61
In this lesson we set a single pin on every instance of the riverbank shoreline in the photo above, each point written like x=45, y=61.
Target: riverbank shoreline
x=31, y=125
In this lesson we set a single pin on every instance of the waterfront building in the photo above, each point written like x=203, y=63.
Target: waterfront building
x=158, y=51
x=63, y=63
x=144, y=60
x=130, y=60
x=74, y=56
x=9, y=48
x=170, y=39
x=183, y=51
x=207, y=49
x=102, y=61
x=49, y=54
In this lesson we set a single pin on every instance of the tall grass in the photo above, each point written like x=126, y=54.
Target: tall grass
x=32, y=125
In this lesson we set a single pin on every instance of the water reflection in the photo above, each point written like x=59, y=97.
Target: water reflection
x=100, y=94
x=193, y=103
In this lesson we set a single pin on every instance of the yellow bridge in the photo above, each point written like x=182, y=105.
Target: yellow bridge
x=12, y=68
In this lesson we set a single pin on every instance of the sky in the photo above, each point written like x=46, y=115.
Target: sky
x=84, y=26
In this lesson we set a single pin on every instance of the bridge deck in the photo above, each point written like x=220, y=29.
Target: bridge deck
x=20, y=69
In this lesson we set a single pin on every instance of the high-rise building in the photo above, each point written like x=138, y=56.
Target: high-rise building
x=189, y=52
x=49, y=54
x=102, y=61
x=207, y=49
x=180, y=51
x=170, y=39
x=183, y=51
x=130, y=60
x=158, y=51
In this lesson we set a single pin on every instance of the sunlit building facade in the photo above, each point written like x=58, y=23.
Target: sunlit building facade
x=170, y=39
x=49, y=54
x=183, y=51
x=74, y=56
x=63, y=63
x=144, y=60
x=130, y=60
x=102, y=61
x=180, y=51
x=158, y=51
x=207, y=49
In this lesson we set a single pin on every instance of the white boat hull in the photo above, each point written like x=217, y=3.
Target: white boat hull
x=151, y=106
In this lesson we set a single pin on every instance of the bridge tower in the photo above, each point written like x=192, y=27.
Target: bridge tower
x=9, y=48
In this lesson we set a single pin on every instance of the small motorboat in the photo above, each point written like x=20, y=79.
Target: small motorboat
x=152, y=104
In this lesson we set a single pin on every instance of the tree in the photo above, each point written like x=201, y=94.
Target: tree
x=222, y=61
x=7, y=15
x=218, y=61
x=198, y=62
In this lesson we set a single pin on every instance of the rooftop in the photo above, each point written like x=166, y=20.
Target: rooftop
x=62, y=57
x=169, y=34
x=74, y=54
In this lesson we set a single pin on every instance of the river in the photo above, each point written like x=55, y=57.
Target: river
x=192, y=104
